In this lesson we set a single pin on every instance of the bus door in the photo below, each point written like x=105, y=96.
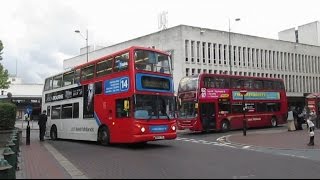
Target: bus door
x=208, y=116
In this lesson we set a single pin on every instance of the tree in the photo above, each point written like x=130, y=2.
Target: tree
x=1, y=47
x=4, y=75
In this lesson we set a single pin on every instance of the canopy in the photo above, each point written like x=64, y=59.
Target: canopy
x=313, y=95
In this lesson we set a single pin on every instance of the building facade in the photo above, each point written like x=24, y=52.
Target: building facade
x=24, y=96
x=197, y=50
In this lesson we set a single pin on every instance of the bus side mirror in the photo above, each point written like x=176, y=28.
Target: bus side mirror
x=126, y=105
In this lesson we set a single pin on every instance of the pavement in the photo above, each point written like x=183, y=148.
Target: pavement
x=40, y=160
x=277, y=138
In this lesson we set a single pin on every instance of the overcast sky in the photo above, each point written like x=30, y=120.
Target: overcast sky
x=39, y=34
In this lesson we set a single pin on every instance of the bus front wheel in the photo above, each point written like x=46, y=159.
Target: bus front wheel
x=104, y=136
x=274, y=122
x=225, y=126
x=53, y=133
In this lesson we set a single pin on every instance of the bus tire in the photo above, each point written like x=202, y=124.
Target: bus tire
x=274, y=122
x=53, y=133
x=104, y=136
x=225, y=126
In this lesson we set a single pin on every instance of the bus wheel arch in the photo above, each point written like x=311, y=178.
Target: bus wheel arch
x=54, y=132
x=274, y=121
x=104, y=135
x=225, y=125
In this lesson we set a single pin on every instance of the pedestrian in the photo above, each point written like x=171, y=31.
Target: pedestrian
x=290, y=120
x=311, y=131
x=42, y=124
x=300, y=119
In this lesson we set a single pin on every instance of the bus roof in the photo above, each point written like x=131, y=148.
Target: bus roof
x=119, y=52
x=236, y=76
x=109, y=55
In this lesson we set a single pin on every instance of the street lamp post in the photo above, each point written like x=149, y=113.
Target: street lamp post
x=86, y=38
x=230, y=65
x=243, y=92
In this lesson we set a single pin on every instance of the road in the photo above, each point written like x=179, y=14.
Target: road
x=191, y=155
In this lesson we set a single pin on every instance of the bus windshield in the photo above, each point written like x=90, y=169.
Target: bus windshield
x=152, y=61
x=154, y=107
x=188, y=110
x=188, y=84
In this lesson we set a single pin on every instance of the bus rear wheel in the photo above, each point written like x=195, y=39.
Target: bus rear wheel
x=53, y=133
x=274, y=122
x=104, y=136
x=225, y=126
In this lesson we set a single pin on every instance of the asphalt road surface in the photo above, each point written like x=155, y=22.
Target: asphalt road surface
x=191, y=155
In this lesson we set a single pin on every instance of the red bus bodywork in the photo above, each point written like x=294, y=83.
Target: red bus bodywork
x=221, y=108
x=128, y=129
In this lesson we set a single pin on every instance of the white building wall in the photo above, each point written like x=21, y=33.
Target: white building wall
x=255, y=56
x=287, y=35
x=309, y=34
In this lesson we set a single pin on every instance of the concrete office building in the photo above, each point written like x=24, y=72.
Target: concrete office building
x=295, y=57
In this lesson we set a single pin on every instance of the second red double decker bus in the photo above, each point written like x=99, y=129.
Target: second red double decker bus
x=214, y=102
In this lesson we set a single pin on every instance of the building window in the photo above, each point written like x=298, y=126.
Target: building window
x=244, y=56
x=198, y=52
x=192, y=51
x=224, y=54
x=209, y=53
x=187, y=71
x=186, y=43
x=219, y=51
x=234, y=55
x=204, y=52
x=239, y=55
x=214, y=54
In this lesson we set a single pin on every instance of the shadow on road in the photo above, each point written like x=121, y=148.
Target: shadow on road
x=135, y=146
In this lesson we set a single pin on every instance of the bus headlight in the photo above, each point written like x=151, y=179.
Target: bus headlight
x=173, y=128
x=143, y=129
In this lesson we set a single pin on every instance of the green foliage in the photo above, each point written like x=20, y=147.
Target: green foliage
x=1, y=47
x=7, y=115
x=4, y=76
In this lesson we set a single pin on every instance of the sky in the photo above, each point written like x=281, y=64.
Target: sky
x=39, y=34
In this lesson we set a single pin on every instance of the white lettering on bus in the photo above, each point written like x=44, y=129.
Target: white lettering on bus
x=82, y=129
x=57, y=97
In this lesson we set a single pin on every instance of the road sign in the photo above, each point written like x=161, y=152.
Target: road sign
x=29, y=109
x=243, y=91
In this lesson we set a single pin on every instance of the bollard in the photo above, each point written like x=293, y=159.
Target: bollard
x=12, y=146
x=16, y=142
x=244, y=127
x=28, y=134
x=4, y=169
x=10, y=156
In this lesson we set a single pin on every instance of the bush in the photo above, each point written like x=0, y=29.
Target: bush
x=7, y=115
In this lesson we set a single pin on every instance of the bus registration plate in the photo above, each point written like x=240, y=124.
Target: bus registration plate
x=158, y=137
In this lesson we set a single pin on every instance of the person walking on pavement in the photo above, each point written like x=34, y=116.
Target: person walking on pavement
x=42, y=124
x=300, y=119
x=311, y=131
x=290, y=120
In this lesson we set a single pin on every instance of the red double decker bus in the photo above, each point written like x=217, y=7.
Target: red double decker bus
x=124, y=97
x=214, y=102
